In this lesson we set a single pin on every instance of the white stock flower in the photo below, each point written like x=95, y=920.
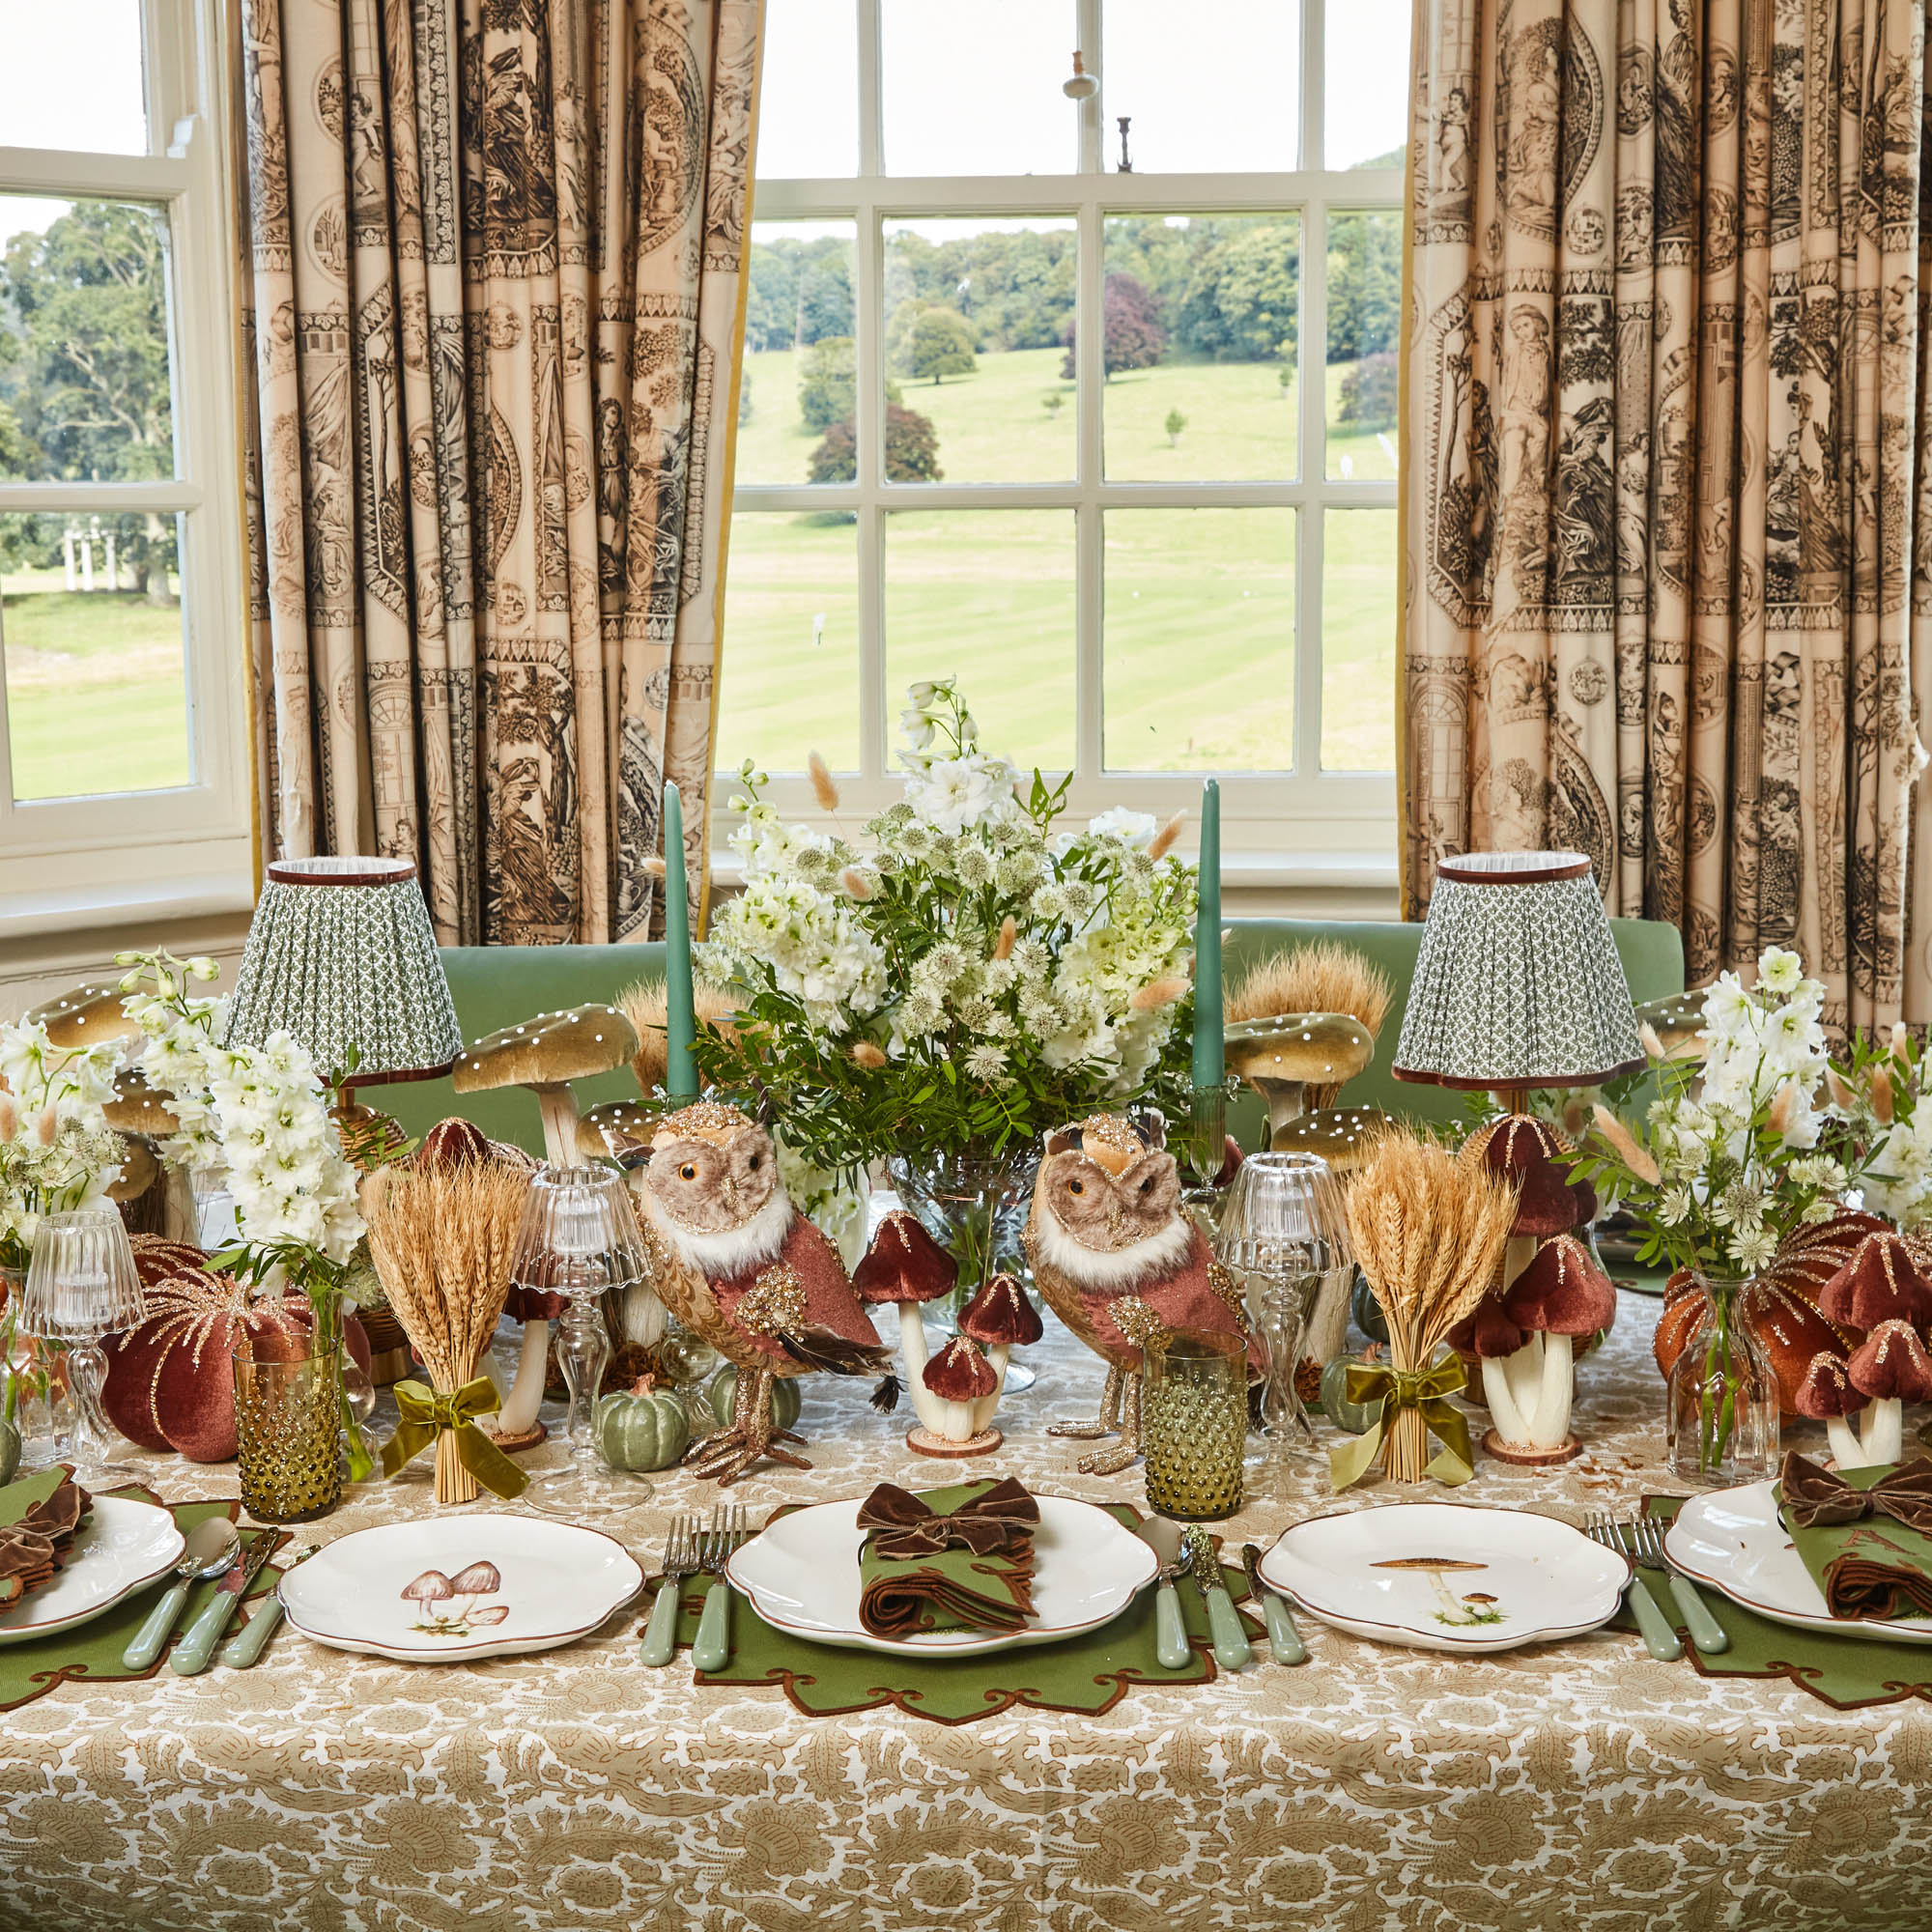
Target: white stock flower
x=1132, y=828
x=957, y=795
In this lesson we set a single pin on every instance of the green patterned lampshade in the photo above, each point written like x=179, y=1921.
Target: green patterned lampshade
x=341, y=954
x=1517, y=982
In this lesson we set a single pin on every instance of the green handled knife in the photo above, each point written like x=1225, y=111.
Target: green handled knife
x=194, y=1652
x=1224, y=1622
x=1284, y=1639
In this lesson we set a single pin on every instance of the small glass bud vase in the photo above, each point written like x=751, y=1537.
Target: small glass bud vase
x=1722, y=1410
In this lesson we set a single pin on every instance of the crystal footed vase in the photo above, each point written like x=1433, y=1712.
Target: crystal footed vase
x=1721, y=1408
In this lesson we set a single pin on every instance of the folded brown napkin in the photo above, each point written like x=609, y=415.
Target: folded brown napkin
x=38, y=1518
x=952, y=1558
x=1866, y=1535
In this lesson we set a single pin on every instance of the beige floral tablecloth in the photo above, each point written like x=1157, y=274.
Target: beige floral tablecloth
x=1582, y=1786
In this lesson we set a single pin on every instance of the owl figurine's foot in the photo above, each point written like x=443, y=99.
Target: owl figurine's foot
x=1108, y=1420
x=1128, y=1450
x=751, y=1439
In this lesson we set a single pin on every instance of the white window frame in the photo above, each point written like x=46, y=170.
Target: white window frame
x=76, y=861
x=1303, y=826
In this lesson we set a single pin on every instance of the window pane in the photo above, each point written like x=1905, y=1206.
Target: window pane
x=798, y=384
x=1365, y=105
x=788, y=675
x=1364, y=310
x=978, y=314
x=71, y=75
x=988, y=595
x=84, y=389
x=1199, y=640
x=975, y=91
x=809, y=94
x=91, y=638
x=1358, y=610
x=1202, y=323
x=1216, y=89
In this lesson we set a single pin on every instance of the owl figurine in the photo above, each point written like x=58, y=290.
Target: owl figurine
x=744, y=1270
x=1121, y=1264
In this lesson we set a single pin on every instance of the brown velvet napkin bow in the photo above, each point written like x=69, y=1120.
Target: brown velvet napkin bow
x=903, y=1526
x=1814, y=1499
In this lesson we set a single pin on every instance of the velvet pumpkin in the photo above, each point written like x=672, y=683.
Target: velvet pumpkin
x=644, y=1428
x=170, y=1378
x=723, y=1391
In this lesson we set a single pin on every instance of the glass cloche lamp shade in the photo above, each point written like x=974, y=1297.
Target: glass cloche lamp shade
x=342, y=955
x=1517, y=983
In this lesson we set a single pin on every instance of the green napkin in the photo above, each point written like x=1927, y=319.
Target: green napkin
x=951, y=1590
x=18, y=1498
x=1873, y=1568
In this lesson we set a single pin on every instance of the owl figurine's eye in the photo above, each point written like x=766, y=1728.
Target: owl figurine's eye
x=1147, y=1186
x=1076, y=1188
x=687, y=1172
x=755, y=1162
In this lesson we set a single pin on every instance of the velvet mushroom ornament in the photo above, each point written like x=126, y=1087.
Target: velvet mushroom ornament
x=1890, y=1367
x=907, y=1267
x=1827, y=1395
x=1000, y=1319
x=960, y=1380
x=1560, y=1296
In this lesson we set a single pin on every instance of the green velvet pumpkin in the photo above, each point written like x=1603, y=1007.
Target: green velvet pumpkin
x=723, y=1391
x=1354, y=1416
x=641, y=1429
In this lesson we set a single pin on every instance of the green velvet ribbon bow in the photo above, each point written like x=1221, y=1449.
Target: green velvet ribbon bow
x=424, y=1413
x=1427, y=1389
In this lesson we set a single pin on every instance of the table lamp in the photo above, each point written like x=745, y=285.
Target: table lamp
x=341, y=954
x=1517, y=983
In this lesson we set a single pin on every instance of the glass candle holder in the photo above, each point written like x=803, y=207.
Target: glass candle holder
x=81, y=1285
x=579, y=1237
x=288, y=1424
x=1194, y=1421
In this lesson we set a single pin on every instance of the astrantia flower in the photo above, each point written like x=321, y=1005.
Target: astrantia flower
x=1753, y=1248
x=986, y=1062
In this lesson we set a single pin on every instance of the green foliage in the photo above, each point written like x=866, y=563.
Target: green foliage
x=801, y=293
x=1175, y=422
x=1015, y=290
x=926, y=343
x=828, y=382
x=744, y=396
x=1135, y=337
x=1364, y=285
x=1370, y=391
x=912, y=450
x=1244, y=293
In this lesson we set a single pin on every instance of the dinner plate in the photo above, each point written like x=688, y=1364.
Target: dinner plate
x=457, y=1588
x=124, y=1545
x=1451, y=1576
x=1733, y=1540
x=801, y=1574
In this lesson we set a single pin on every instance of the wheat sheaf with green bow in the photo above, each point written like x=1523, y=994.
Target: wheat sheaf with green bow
x=1429, y=1236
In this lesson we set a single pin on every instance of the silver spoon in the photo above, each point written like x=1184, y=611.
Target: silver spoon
x=210, y=1549
x=1170, y=1632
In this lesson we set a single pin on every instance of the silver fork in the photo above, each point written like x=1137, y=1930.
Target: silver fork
x=1706, y=1632
x=711, y=1648
x=660, y=1645
x=1658, y=1638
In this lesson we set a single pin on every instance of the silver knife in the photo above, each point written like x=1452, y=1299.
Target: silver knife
x=252, y=1638
x=194, y=1652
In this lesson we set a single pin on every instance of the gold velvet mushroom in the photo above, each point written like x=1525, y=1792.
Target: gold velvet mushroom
x=1283, y=1056
x=85, y=1016
x=546, y=1054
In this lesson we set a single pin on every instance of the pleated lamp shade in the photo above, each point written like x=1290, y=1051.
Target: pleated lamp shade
x=341, y=954
x=1517, y=982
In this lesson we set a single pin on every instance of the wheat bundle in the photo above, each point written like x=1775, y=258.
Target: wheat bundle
x=1429, y=1235
x=643, y=1005
x=1323, y=976
x=442, y=1240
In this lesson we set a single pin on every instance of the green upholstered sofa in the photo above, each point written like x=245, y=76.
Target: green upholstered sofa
x=496, y=987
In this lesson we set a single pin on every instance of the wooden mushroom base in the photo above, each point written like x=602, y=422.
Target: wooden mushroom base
x=1525, y=1457
x=532, y=1438
x=922, y=1441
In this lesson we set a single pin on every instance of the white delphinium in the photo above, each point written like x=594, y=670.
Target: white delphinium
x=56, y=1151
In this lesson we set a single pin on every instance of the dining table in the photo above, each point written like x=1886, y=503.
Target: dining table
x=1578, y=1784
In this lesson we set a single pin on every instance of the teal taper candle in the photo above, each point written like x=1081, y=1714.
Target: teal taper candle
x=680, y=1070
x=1209, y=1067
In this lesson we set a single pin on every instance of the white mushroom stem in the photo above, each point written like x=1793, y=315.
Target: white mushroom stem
x=983, y=1410
x=931, y=1409
x=1549, y=1420
x=1524, y=1374
x=519, y=1413
x=1882, y=1437
x=1846, y=1447
x=1504, y=1410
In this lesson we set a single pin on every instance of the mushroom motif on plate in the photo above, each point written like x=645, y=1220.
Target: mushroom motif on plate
x=448, y=1606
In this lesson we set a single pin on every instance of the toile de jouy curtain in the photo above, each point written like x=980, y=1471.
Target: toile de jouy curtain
x=1669, y=544
x=492, y=253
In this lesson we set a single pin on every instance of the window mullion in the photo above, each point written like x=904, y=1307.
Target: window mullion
x=1089, y=371
x=872, y=101
x=1314, y=86
x=1092, y=127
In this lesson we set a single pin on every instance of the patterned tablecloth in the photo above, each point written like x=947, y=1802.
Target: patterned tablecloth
x=1581, y=1786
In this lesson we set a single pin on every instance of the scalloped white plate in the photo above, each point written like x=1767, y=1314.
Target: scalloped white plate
x=122, y=1547
x=1451, y=1577
x=555, y=1582
x=801, y=1574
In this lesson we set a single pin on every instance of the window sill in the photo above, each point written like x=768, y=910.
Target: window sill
x=1360, y=871
x=100, y=907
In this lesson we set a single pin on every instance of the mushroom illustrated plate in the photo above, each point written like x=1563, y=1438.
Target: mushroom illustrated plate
x=1449, y=1576
x=1733, y=1540
x=124, y=1545
x=457, y=1588
x=801, y=1576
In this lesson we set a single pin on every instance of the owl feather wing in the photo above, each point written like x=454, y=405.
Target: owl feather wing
x=684, y=1291
x=1062, y=1295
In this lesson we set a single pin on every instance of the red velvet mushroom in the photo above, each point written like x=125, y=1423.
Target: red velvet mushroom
x=1881, y=1283
x=1560, y=1295
x=1892, y=1367
x=1525, y=1149
x=1827, y=1395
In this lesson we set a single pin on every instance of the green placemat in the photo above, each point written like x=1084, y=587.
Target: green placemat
x=93, y=1650
x=1847, y=1672
x=1089, y=1673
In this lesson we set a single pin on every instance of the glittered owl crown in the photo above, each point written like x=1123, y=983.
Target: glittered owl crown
x=1112, y=1140
x=706, y=1120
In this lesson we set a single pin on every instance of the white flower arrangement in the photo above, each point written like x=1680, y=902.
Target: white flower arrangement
x=967, y=979
x=57, y=1151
